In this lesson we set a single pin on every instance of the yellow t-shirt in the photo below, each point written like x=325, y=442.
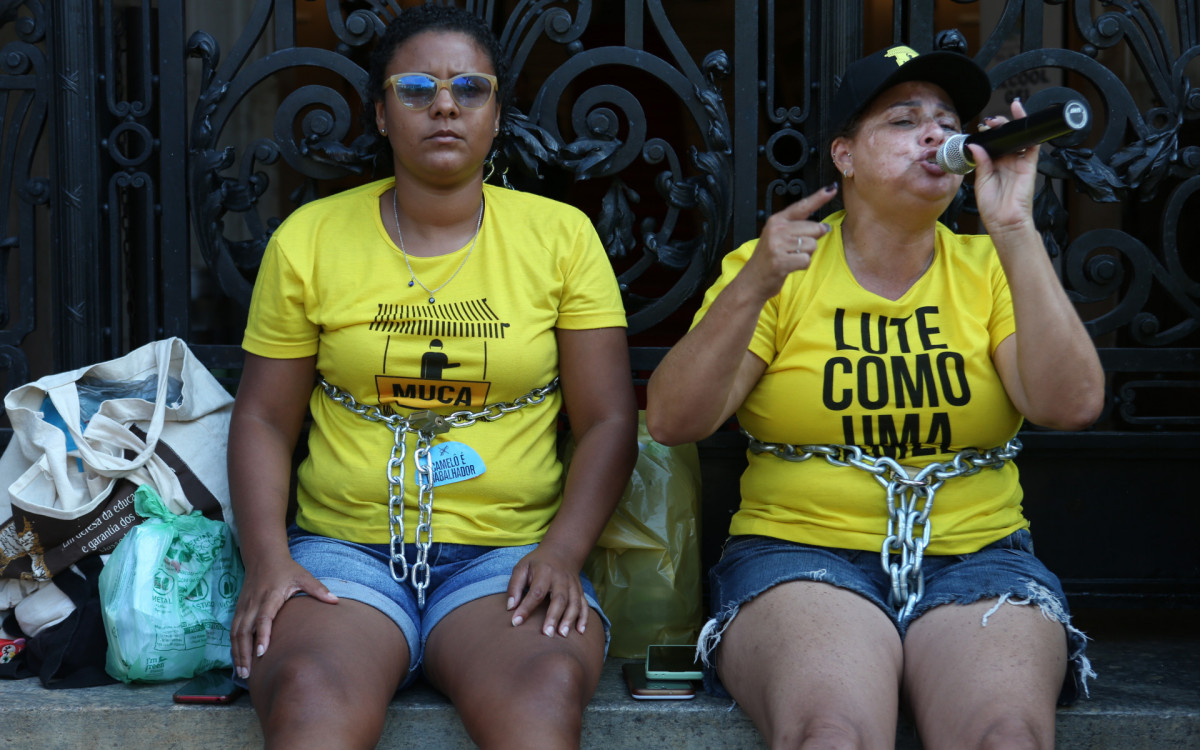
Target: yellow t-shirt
x=333, y=284
x=911, y=378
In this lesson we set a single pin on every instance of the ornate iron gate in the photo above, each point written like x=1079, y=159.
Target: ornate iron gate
x=144, y=168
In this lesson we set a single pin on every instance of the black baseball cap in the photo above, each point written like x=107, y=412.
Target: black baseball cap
x=959, y=76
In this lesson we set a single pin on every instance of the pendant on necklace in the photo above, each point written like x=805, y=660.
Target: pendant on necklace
x=411, y=283
x=432, y=300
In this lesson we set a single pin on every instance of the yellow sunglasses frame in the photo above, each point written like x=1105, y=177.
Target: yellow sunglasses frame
x=441, y=83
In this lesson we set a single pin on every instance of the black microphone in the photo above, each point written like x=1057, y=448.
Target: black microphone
x=1039, y=127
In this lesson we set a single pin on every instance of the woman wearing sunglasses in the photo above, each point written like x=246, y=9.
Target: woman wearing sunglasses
x=445, y=323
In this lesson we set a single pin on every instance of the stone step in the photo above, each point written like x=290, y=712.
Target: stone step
x=1147, y=696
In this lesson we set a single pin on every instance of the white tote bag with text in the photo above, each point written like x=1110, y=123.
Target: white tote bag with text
x=84, y=440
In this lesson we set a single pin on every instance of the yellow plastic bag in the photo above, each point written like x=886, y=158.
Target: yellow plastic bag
x=646, y=565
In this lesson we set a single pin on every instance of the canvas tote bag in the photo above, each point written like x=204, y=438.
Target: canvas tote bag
x=84, y=440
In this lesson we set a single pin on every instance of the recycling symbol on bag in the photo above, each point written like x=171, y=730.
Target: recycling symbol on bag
x=228, y=586
x=163, y=583
x=199, y=592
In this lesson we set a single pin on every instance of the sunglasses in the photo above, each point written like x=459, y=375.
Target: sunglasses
x=418, y=90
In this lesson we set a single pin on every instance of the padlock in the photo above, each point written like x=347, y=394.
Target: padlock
x=428, y=422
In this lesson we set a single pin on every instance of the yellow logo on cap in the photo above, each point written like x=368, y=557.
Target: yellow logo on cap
x=901, y=54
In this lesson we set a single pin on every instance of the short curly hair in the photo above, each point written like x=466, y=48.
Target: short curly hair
x=437, y=18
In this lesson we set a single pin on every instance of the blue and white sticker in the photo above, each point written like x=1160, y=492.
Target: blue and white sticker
x=454, y=462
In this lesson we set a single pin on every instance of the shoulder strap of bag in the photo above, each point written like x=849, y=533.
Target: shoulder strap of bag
x=102, y=429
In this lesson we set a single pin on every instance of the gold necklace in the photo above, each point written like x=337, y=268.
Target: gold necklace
x=412, y=275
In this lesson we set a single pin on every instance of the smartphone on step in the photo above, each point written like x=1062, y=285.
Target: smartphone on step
x=672, y=663
x=643, y=689
x=210, y=687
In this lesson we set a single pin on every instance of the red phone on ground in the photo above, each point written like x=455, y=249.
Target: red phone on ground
x=212, y=687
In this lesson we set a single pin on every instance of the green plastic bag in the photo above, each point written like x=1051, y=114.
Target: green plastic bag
x=646, y=564
x=167, y=595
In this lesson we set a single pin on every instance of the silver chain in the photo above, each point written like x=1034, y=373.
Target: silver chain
x=412, y=274
x=909, y=501
x=426, y=425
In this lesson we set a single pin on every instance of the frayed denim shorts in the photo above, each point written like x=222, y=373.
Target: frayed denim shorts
x=1006, y=570
x=458, y=574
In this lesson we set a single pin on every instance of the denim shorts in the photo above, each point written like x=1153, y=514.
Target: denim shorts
x=1006, y=570
x=458, y=573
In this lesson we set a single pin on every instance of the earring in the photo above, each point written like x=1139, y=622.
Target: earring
x=846, y=173
x=489, y=166
x=383, y=132
x=496, y=131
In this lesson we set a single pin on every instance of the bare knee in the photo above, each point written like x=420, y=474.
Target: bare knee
x=289, y=683
x=1015, y=733
x=818, y=733
x=301, y=702
x=553, y=678
x=539, y=704
x=996, y=733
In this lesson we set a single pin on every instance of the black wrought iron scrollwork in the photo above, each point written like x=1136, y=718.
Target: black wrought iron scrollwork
x=526, y=144
x=231, y=260
x=360, y=27
x=324, y=129
x=1091, y=174
x=1143, y=165
x=1137, y=398
x=28, y=18
x=309, y=135
x=532, y=19
x=610, y=132
x=24, y=99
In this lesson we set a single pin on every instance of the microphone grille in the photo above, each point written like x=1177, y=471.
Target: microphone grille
x=953, y=156
x=1076, y=114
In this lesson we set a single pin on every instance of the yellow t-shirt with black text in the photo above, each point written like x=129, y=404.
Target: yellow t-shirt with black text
x=333, y=284
x=912, y=379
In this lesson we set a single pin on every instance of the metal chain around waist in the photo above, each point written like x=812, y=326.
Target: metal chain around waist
x=909, y=501
x=425, y=424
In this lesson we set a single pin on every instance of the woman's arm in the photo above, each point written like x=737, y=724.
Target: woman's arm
x=268, y=414
x=707, y=375
x=598, y=396
x=1049, y=367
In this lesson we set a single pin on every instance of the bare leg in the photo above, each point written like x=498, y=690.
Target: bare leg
x=514, y=687
x=985, y=687
x=328, y=676
x=814, y=666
